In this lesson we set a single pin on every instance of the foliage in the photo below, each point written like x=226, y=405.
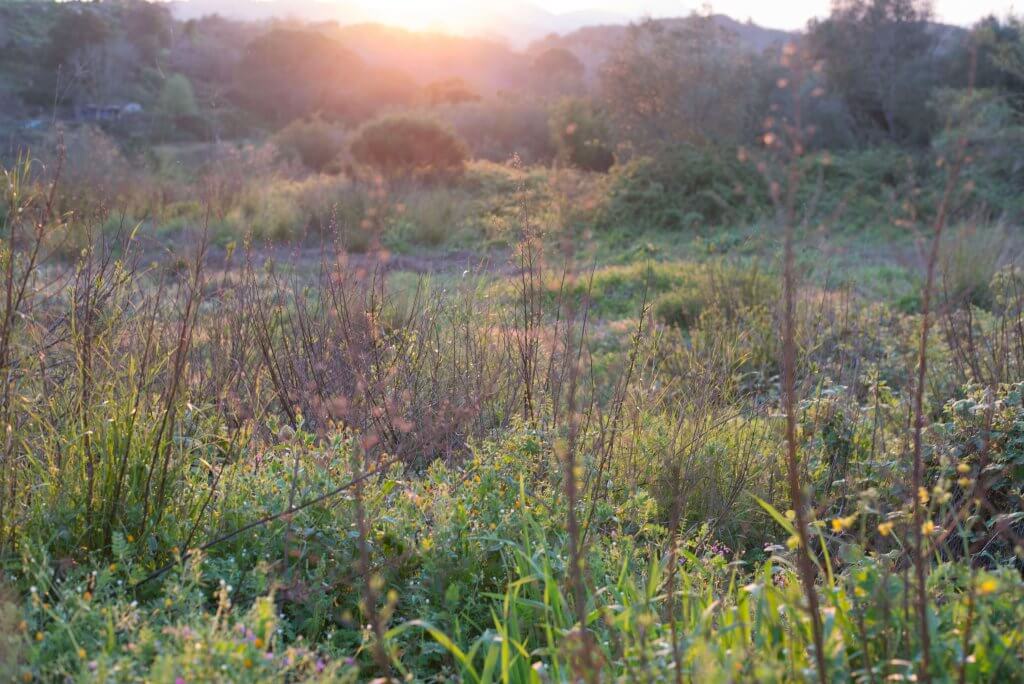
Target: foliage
x=450, y=91
x=405, y=146
x=176, y=97
x=558, y=71
x=684, y=83
x=316, y=143
x=683, y=187
x=879, y=58
x=497, y=130
x=581, y=135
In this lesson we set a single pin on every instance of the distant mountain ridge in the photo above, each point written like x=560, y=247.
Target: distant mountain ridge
x=518, y=23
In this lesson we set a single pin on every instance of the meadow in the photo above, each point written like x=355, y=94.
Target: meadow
x=453, y=395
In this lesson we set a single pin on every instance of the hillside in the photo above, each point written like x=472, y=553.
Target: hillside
x=593, y=44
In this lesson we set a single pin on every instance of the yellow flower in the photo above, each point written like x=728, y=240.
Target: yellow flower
x=790, y=514
x=840, y=524
x=81, y=653
x=988, y=586
x=22, y=626
x=885, y=529
x=87, y=596
x=927, y=527
x=922, y=495
x=247, y=663
x=39, y=636
x=258, y=643
x=427, y=543
x=793, y=542
x=964, y=482
x=113, y=567
x=963, y=468
x=168, y=603
x=130, y=538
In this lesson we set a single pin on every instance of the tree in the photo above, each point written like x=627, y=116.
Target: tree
x=286, y=74
x=449, y=91
x=316, y=143
x=177, y=98
x=581, y=135
x=76, y=31
x=147, y=26
x=999, y=48
x=681, y=82
x=558, y=71
x=879, y=58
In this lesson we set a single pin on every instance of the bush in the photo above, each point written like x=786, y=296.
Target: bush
x=496, y=130
x=682, y=188
x=95, y=175
x=316, y=143
x=402, y=146
x=728, y=289
x=581, y=135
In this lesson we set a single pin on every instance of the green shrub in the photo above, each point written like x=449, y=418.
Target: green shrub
x=730, y=289
x=682, y=188
x=314, y=142
x=407, y=146
x=430, y=216
x=971, y=258
x=497, y=129
x=581, y=135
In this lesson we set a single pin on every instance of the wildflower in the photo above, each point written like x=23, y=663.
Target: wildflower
x=81, y=653
x=963, y=468
x=87, y=596
x=39, y=636
x=885, y=528
x=964, y=482
x=168, y=603
x=258, y=643
x=988, y=586
x=927, y=527
x=793, y=542
x=840, y=524
x=130, y=538
x=790, y=514
x=922, y=495
x=113, y=567
x=247, y=663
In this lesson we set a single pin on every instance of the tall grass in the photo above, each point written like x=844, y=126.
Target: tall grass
x=316, y=477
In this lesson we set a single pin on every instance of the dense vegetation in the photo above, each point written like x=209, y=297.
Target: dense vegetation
x=684, y=351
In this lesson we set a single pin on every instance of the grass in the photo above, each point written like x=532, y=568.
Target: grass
x=247, y=466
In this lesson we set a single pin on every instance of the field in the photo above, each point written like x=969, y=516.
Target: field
x=377, y=401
